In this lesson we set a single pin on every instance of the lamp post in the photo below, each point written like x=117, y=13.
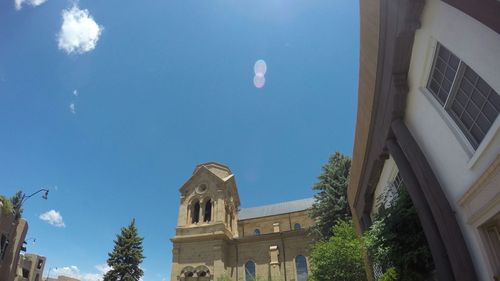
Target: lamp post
x=25, y=197
x=25, y=243
x=33, y=239
x=48, y=273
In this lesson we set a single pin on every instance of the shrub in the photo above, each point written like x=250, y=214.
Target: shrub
x=396, y=239
x=339, y=258
x=390, y=275
x=7, y=205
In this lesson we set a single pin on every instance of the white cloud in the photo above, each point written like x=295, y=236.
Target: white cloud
x=72, y=108
x=75, y=93
x=74, y=272
x=103, y=268
x=70, y=271
x=90, y=277
x=79, y=32
x=33, y=3
x=53, y=217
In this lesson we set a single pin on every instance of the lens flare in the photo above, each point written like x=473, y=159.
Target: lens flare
x=260, y=68
x=259, y=81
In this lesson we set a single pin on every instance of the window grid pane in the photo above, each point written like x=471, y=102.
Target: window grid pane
x=444, y=70
x=398, y=182
x=475, y=106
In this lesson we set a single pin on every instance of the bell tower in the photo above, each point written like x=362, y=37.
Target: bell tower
x=209, y=202
x=206, y=225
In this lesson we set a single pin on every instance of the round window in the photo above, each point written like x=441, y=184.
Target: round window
x=201, y=188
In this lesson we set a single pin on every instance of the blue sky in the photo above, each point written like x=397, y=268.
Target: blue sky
x=113, y=112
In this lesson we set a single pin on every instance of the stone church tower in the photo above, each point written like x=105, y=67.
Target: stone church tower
x=214, y=237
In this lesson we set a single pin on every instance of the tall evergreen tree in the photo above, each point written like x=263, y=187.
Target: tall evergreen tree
x=331, y=203
x=126, y=256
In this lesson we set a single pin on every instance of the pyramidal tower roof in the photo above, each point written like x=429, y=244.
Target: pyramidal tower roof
x=220, y=170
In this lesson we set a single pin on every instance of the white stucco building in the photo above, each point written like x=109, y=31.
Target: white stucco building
x=428, y=113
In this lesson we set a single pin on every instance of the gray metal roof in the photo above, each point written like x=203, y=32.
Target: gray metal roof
x=275, y=209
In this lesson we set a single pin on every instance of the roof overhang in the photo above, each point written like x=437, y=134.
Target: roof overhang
x=387, y=34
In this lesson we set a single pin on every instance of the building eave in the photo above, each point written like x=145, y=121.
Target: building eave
x=389, y=25
x=368, y=59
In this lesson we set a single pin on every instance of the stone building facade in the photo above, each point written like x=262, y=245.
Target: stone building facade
x=30, y=267
x=12, y=235
x=214, y=237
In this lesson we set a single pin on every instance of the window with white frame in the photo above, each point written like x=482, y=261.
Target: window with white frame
x=466, y=97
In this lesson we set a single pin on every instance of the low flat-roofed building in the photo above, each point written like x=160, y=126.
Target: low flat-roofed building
x=30, y=267
x=62, y=278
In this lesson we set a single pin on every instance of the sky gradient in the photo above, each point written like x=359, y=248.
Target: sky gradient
x=115, y=125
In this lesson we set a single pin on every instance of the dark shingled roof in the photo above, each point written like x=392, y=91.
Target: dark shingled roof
x=275, y=209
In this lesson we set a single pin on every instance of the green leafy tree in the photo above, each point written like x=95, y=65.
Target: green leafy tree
x=6, y=205
x=126, y=257
x=396, y=239
x=331, y=200
x=16, y=203
x=390, y=275
x=340, y=258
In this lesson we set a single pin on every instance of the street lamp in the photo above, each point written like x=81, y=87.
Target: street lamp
x=49, y=272
x=25, y=197
x=25, y=243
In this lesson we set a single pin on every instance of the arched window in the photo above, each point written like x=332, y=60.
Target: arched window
x=187, y=271
x=208, y=211
x=301, y=267
x=250, y=271
x=202, y=271
x=296, y=226
x=196, y=212
x=256, y=232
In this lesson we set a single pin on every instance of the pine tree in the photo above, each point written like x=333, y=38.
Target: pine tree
x=126, y=256
x=331, y=201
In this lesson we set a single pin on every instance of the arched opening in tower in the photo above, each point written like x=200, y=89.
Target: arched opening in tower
x=208, y=211
x=196, y=212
